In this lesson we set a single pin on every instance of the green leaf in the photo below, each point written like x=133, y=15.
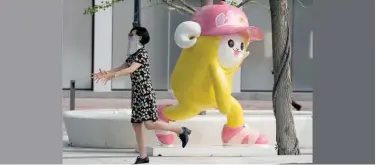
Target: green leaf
x=101, y=7
x=233, y=3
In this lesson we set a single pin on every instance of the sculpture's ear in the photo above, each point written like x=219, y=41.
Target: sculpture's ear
x=255, y=34
x=186, y=34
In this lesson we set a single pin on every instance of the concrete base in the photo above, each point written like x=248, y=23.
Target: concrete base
x=233, y=151
x=112, y=128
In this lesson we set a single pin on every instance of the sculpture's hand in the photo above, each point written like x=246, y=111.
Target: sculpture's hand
x=246, y=54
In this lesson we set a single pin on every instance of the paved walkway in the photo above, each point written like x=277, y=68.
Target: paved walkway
x=91, y=103
x=127, y=156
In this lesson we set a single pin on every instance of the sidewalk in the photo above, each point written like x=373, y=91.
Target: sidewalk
x=93, y=103
x=127, y=156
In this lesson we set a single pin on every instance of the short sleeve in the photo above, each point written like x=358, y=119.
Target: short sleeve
x=141, y=57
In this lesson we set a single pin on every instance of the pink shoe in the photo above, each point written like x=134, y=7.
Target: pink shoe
x=240, y=135
x=164, y=137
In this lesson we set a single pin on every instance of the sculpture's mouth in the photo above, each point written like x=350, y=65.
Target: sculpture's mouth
x=236, y=52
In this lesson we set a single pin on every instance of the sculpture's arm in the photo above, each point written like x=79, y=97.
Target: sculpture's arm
x=222, y=89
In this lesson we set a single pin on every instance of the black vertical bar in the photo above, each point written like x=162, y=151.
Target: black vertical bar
x=136, y=14
x=72, y=98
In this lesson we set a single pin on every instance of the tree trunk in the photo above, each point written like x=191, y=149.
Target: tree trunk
x=287, y=142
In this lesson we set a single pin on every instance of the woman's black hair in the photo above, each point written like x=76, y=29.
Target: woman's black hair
x=143, y=33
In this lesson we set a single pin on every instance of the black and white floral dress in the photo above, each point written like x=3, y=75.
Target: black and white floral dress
x=143, y=95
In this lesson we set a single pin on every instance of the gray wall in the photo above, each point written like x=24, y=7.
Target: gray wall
x=302, y=63
x=256, y=69
x=77, y=47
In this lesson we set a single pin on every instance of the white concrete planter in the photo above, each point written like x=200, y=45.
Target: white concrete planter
x=112, y=128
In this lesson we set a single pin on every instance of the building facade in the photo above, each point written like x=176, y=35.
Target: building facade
x=97, y=42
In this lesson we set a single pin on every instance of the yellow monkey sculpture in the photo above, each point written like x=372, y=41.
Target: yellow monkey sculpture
x=213, y=46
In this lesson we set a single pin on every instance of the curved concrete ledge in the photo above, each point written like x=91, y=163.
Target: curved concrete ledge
x=109, y=128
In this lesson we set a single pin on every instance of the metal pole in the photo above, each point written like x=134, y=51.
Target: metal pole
x=136, y=14
x=72, y=101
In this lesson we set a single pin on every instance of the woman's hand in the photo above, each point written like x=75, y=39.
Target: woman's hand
x=99, y=75
x=107, y=77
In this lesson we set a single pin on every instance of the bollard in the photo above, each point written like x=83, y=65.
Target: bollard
x=72, y=101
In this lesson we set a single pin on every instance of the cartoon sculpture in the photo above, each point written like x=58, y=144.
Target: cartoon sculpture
x=213, y=46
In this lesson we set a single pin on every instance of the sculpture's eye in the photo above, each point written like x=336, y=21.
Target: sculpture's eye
x=242, y=46
x=231, y=43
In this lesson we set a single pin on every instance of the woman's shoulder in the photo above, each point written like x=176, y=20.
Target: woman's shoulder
x=143, y=50
x=143, y=53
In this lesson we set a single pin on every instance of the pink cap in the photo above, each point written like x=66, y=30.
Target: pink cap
x=224, y=19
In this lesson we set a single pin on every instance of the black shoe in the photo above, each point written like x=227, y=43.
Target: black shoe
x=142, y=160
x=184, y=137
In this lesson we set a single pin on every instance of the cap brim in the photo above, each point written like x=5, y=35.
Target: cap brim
x=252, y=32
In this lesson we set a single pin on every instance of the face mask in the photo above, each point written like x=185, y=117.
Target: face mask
x=133, y=44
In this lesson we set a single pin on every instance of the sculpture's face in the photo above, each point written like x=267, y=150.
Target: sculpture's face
x=231, y=50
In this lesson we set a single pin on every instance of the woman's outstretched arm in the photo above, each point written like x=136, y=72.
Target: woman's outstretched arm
x=121, y=67
x=134, y=66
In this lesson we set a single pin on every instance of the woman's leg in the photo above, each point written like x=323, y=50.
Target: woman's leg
x=160, y=125
x=137, y=127
x=183, y=132
x=172, y=113
x=166, y=113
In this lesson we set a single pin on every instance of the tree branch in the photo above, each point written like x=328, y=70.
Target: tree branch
x=178, y=7
x=186, y=8
x=103, y=6
x=186, y=5
x=152, y=5
x=243, y=3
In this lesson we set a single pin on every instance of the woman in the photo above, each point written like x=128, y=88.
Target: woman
x=143, y=97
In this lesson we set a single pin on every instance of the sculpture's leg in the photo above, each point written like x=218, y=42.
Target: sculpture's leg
x=169, y=113
x=234, y=132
